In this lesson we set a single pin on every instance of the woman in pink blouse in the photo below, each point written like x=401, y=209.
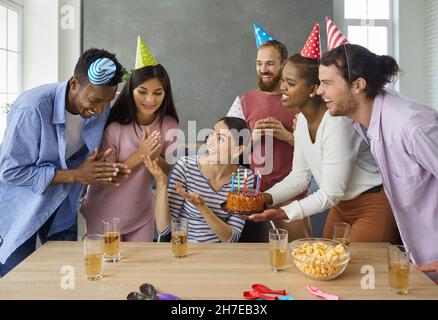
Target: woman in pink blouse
x=139, y=120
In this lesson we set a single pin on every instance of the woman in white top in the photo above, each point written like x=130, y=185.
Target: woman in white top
x=341, y=162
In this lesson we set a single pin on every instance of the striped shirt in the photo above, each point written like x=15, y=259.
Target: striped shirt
x=188, y=173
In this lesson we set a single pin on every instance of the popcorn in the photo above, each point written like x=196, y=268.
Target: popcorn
x=319, y=260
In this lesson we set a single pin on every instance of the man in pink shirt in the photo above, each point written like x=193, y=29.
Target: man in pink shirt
x=272, y=128
x=403, y=136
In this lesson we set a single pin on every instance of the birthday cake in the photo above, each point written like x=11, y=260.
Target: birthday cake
x=250, y=200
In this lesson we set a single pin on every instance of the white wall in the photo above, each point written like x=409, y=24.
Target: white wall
x=51, y=40
x=410, y=52
x=69, y=37
x=431, y=53
x=40, y=42
x=338, y=16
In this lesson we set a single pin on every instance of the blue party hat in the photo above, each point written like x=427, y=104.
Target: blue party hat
x=101, y=71
x=261, y=35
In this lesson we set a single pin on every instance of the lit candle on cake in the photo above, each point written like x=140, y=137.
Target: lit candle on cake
x=232, y=183
x=260, y=183
x=245, y=178
x=238, y=180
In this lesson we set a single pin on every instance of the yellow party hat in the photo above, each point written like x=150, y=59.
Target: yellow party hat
x=144, y=57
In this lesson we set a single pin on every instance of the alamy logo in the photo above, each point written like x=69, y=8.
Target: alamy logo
x=67, y=21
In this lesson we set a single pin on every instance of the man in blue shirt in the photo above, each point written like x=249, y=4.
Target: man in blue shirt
x=49, y=153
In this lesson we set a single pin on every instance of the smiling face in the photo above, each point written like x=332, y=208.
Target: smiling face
x=221, y=145
x=295, y=89
x=88, y=99
x=335, y=91
x=269, y=67
x=148, y=98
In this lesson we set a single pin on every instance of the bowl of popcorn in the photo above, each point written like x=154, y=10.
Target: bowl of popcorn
x=320, y=259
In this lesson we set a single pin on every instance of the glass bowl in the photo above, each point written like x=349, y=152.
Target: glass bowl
x=318, y=258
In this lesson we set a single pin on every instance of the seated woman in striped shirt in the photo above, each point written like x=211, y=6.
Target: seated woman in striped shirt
x=199, y=184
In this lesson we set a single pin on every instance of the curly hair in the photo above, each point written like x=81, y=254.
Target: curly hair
x=91, y=55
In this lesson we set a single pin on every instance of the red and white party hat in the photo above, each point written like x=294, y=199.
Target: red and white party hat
x=335, y=37
x=312, y=48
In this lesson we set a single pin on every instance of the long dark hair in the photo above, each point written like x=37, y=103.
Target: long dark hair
x=237, y=125
x=124, y=110
x=354, y=61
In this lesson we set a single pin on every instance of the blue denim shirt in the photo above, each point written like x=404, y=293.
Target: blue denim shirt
x=33, y=148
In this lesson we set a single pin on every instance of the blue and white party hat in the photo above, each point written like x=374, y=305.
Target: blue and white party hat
x=261, y=35
x=101, y=71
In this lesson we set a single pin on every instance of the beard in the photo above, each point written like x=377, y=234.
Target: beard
x=272, y=85
x=335, y=113
x=344, y=107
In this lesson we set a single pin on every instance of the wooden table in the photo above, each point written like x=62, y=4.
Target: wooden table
x=211, y=271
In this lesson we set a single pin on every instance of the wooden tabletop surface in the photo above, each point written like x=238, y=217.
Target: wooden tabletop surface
x=210, y=271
